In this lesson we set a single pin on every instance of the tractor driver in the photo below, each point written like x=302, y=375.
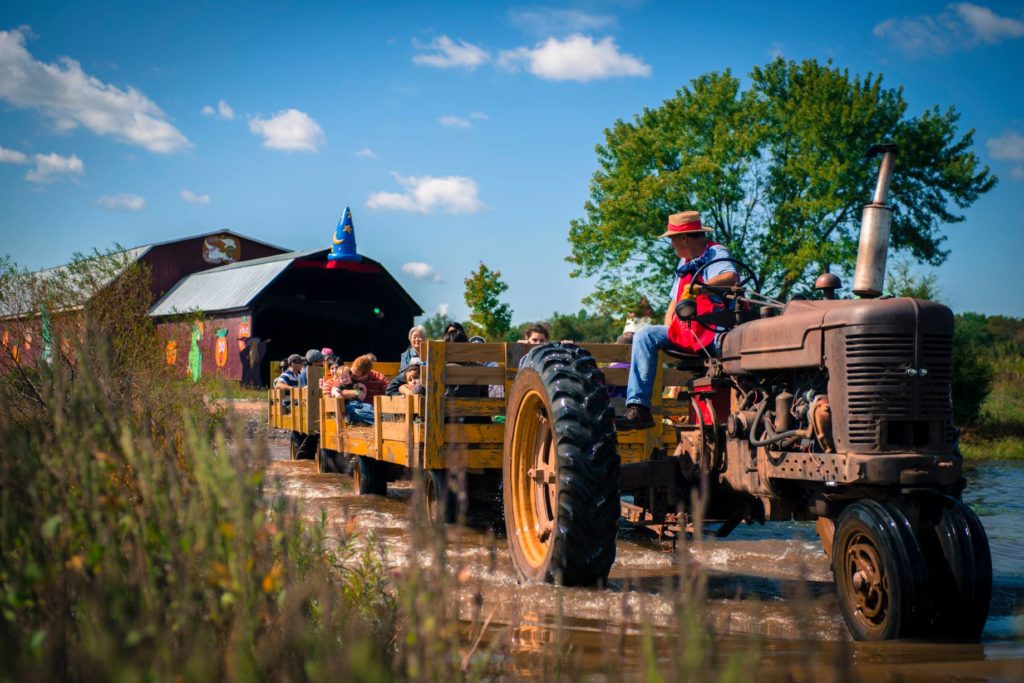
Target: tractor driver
x=690, y=241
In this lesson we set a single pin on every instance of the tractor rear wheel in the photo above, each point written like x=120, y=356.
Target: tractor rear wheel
x=879, y=571
x=561, y=469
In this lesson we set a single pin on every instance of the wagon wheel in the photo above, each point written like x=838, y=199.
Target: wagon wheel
x=442, y=503
x=561, y=469
x=879, y=572
x=368, y=477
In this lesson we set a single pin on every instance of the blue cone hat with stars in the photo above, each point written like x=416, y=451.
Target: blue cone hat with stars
x=343, y=247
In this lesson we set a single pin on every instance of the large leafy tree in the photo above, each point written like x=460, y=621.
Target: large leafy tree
x=488, y=314
x=779, y=170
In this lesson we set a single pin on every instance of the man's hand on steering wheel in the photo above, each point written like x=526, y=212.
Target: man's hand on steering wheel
x=691, y=290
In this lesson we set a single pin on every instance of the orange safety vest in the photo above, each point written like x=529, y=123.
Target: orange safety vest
x=690, y=335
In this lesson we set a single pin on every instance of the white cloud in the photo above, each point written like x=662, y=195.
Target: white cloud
x=1017, y=173
x=479, y=116
x=12, y=156
x=454, y=194
x=1008, y=146
x=122, y=202
x=445, y=53
x=449, y=121
x=366, y=153
x=289, y=130
x=550, y=20
x=223, y=111
x=960, y=27
x=193, y=198
x=577, y=58
x=421, y=271
x=442, y=310
x=46, y=167
x=73, y=98
x=987, y=25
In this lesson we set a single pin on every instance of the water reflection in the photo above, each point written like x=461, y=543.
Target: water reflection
x=770, y=586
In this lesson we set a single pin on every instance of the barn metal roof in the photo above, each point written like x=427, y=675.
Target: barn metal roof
x=226, y=288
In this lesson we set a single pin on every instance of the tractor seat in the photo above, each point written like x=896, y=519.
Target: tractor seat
x=686, y=360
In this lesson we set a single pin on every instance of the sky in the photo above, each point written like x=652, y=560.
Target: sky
x=456, y=132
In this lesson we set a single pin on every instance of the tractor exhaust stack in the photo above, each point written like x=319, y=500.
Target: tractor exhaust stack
x=873, y=251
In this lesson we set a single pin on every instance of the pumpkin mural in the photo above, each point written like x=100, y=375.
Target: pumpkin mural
x=11, y=348
x=171, y=351
x=220, y=349
x=244, y=332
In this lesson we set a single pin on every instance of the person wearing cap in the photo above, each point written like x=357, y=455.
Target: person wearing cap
x=313, y=356
x=290, y=376
x=690, y=241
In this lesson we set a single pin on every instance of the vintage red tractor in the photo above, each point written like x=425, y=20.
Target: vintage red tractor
x=834, y=410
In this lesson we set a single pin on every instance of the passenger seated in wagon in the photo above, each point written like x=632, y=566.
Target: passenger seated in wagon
x=407, y=381
x=358, y=385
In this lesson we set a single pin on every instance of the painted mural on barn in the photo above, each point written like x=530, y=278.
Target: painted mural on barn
x=214, y=347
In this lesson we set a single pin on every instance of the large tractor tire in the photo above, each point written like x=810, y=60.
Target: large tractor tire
x=959, y=569
x=561, y=469
x=880, y=572
x=369, y=477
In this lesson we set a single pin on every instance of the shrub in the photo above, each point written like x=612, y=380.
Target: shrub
x=972, y=375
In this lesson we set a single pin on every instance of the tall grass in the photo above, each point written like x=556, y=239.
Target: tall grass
x=142, y=543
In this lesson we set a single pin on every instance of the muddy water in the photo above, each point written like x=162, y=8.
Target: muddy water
x=767, y=587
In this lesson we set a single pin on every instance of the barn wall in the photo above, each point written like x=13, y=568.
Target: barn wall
x=171, y=262
x=228, y=365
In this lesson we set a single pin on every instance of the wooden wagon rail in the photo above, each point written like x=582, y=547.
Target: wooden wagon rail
x=442, y=430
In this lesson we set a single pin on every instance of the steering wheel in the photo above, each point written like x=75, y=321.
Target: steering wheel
x=747, y=278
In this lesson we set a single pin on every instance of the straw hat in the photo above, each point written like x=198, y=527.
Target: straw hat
x=684, y=223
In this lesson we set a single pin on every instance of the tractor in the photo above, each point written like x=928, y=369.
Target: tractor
x=834, y=410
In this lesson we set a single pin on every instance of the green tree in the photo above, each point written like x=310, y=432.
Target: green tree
x=585, y=327
x=778, y=169
x=901, y=280
x=487, y=313
x=435, y=325
x=972, y=374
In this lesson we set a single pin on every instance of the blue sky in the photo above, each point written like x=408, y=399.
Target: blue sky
x=457, y=132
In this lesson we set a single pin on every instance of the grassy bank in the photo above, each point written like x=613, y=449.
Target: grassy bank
x=999, y=433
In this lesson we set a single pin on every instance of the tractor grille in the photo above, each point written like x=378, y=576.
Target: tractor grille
x=887, y=406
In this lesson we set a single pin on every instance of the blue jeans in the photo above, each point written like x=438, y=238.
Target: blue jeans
x=644, y=363
x=357, y=411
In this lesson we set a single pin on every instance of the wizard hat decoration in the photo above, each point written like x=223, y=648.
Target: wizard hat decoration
x=343, y=247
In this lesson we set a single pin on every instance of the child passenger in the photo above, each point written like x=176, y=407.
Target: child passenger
x=358, y=385
x=407, y=381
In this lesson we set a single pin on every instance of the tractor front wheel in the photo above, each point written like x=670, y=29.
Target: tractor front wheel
x=879, y=571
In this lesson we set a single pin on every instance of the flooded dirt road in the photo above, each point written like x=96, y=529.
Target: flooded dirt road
x=768, y=588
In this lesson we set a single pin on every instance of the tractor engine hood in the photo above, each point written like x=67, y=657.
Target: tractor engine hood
x=796, y=337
